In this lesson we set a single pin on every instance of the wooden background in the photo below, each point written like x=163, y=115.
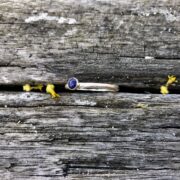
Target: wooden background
x=132, y=134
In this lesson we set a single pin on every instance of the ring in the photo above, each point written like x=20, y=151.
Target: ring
x=73, y=84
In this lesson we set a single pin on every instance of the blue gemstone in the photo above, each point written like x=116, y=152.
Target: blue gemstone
x=72, y=83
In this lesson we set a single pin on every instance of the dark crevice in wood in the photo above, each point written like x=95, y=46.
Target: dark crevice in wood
x=123, y=89
x=17, y=66
x=60, y=89
x=138, y=90
x=37, y=175
x=168, y=127
x=127, y=89
x=114, y=168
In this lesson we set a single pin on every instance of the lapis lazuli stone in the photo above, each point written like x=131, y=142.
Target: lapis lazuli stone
x=72, y=83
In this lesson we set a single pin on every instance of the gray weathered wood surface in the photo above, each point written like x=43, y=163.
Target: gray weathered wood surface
x=133, y=43
x=119, y=40
x=87, y=136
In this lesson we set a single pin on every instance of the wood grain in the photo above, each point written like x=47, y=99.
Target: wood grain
x=132, y=43
x=118, y=40
x=89, y=136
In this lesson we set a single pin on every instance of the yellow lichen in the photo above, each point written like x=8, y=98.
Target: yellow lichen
x=164, y=90
x=28, y=87
x=50, y=89
x=142, y=105
x=38, y=87
x=171, y=79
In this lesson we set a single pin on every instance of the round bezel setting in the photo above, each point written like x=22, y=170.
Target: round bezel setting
x=72, y=83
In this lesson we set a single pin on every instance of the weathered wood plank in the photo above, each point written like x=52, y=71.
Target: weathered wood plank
x=89, y=135
x=128, y=72
x=52, y=40
x=89, y=174
x=101, y=100
x=124, y=135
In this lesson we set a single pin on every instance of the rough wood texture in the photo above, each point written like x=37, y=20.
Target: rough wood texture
x=98, y=136
x=52, y=40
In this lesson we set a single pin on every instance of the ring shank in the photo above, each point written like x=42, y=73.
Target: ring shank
x=98, y=87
